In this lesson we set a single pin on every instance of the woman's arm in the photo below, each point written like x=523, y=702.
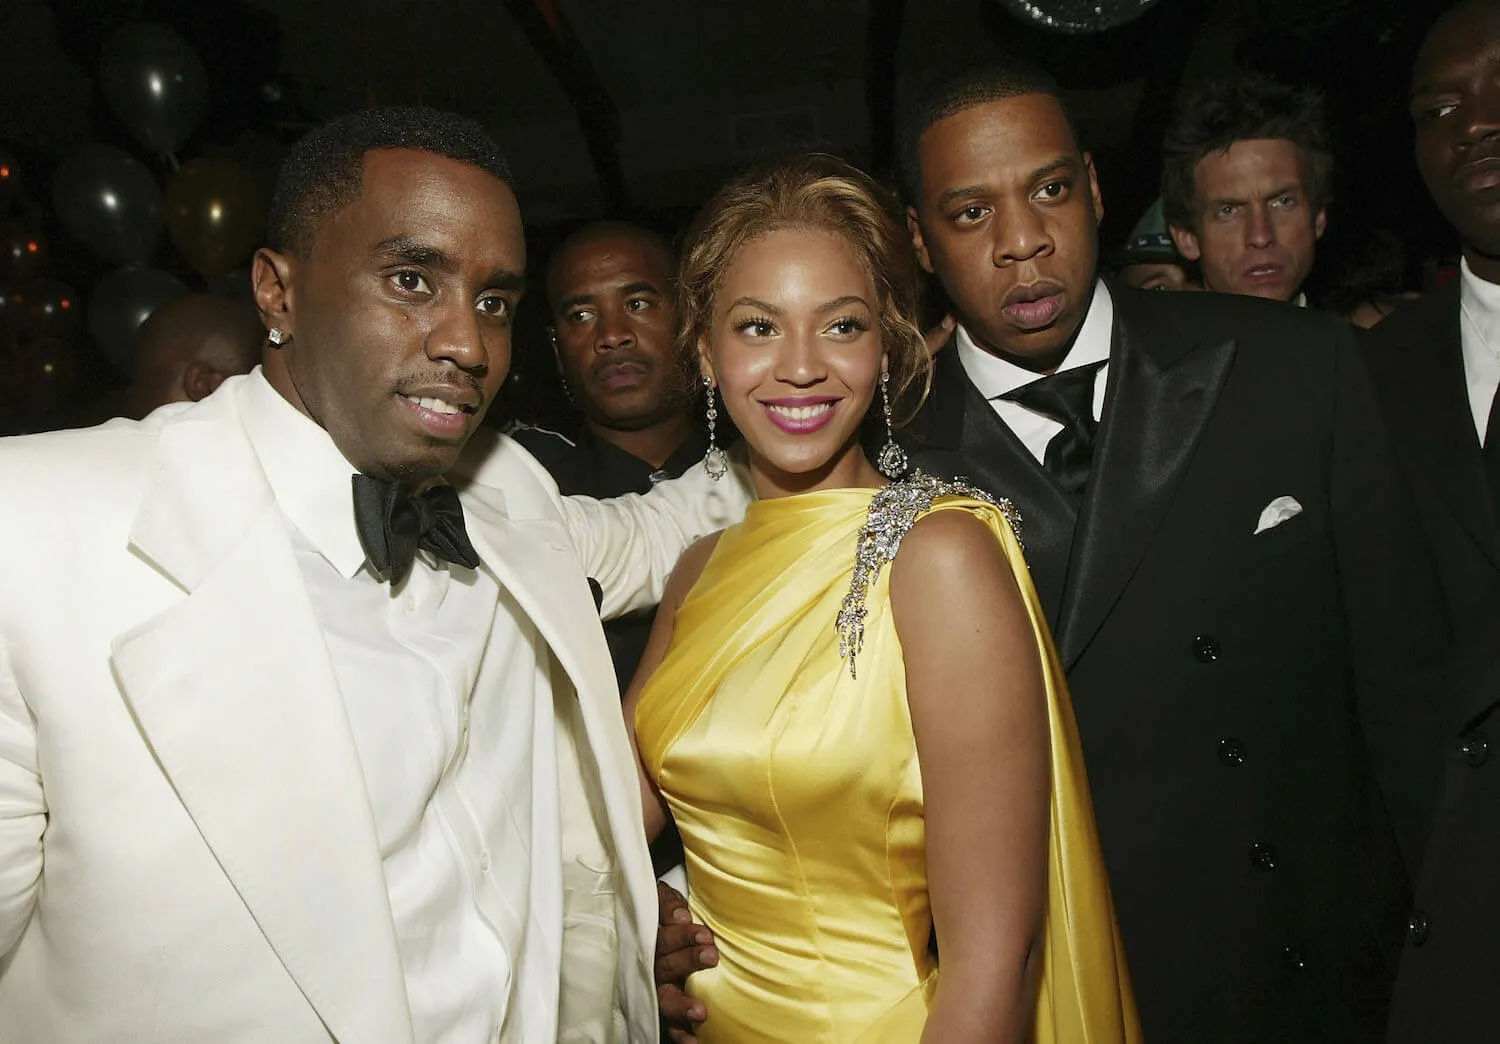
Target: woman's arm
x=683, y=577
x=979, y=712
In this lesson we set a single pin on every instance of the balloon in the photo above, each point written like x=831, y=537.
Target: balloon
x=10, y=180
x=23, y=249
x=155, y=83
x=120, y=304
x=215, y=214
x=234, y=286
x=110, y=203
x=1077, y=16
x=51, y=308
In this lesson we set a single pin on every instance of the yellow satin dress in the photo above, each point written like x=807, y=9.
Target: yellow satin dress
x=798, y=794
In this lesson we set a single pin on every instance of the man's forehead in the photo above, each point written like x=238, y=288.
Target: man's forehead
x=1462, y=43
x=1019, y=129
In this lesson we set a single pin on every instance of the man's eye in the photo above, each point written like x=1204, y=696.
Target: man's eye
x=495, y=307
x=1228, y=210
x=1436, y=112
x=1053, y=190
x=411, y=281
x=972, y=213
x=638, y=304
x=581, y=315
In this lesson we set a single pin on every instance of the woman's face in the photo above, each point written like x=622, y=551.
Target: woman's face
x=795, y=350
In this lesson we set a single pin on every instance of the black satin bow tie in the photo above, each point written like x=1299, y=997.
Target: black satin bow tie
x=393, y=524
x=1066, y=396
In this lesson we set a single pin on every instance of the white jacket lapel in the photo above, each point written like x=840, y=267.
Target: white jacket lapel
x=235, y=693
x=534, y=560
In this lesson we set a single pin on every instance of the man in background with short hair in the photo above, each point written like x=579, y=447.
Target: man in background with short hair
x=1246, y=177
x=188, y=347
x=613, y=330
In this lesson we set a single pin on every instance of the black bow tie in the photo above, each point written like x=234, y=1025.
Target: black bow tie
x=393, y=524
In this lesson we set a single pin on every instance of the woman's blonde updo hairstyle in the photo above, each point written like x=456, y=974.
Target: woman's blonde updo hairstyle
x=821, y=192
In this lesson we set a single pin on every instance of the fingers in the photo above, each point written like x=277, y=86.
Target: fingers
x=672, y=906
x=939, y=334
x=682, y=950
x=678, y=1008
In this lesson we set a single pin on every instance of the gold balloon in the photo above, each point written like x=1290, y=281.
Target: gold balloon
x=216, y=212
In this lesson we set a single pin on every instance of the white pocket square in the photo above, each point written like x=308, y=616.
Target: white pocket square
x=1277, y=512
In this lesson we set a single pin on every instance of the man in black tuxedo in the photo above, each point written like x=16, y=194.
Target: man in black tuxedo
x=1221, y=538
x=1436, y=365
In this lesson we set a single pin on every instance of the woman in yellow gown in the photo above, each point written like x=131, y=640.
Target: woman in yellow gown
x=850, y=705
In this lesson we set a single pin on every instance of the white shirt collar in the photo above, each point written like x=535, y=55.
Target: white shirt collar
x=309, y=477
x=1480, y=301
x=994, y=376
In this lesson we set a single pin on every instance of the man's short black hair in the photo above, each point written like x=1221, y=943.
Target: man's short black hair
x=955, y=90
x=324, y=171
x=1219, y=113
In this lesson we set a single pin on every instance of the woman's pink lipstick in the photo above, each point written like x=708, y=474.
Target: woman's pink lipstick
x=802, y=414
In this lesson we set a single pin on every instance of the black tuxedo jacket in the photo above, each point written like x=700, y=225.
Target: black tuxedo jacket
x=1231, y=687
x=1447, y=978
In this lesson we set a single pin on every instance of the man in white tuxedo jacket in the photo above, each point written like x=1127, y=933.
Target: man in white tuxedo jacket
x=262, y=782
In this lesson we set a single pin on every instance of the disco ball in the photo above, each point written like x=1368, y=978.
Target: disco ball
x=1076, y=16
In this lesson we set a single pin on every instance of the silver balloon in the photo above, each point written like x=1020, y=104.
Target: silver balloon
x=122, y=301
x=110, y=202
x=1077, y=16
x=155, y=83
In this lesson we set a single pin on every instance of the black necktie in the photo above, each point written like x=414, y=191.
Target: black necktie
x=1068, y=398
x=393, y=524
x=1492, y=450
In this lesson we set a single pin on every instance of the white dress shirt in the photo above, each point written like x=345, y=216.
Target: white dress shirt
x=461, y=779
x=1479, y=334
x=994, y=376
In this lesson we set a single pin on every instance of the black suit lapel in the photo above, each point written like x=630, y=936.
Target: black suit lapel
x=1425, y=383
x=1161, y=392
x=957, y=434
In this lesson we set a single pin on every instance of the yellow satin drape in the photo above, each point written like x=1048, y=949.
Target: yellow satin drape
x=798, y=795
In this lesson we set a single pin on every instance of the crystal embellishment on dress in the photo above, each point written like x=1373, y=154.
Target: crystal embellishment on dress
x=893, y=511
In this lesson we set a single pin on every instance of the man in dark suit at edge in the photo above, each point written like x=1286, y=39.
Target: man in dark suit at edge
x=1223, y=543
x=1436, y=365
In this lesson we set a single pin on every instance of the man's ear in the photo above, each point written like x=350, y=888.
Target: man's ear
x=199, y=380
x=1094, y=193
x=1186, y=242
x=271, y=279
x=917, y=242
x=1320, y=223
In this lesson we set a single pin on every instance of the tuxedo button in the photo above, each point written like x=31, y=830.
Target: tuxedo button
x=1417, y=928
x=1263, y=857
x=484, y=862
x=1474, y=748
x=411, y=603
x=1231, y=752
x=1294, y=957
x=1205, y=648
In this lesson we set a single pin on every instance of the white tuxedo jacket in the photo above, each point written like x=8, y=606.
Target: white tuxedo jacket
x=187, y=851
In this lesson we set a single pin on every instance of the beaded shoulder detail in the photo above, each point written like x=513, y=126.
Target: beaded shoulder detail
x=893, y=511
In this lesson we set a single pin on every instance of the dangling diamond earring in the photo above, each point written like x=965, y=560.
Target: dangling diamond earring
x=891, y=460
x=715, y=461
x=275, y=336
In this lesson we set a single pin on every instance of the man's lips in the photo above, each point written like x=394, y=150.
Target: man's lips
x=1032, y=306
x=1265, y=272
x=1479, y=175
x=622, y=373
x=442, y=410
x=799, y=415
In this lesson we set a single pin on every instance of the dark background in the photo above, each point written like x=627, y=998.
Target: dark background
x=641, y=108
